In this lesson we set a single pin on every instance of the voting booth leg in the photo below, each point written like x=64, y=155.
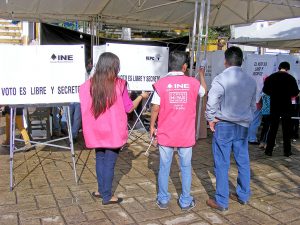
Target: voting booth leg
x=12, y=125
x=71, y=142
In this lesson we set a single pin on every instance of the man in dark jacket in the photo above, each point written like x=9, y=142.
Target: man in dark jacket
x=281, y=87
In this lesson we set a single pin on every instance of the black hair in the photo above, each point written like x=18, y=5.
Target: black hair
x=176, y=60
x=234, y=56
x=284, y=65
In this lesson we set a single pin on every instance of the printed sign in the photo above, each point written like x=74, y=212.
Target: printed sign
x=260, y=67
x=141, y=65
x=41, y=74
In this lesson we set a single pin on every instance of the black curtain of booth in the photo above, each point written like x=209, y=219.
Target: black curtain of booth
x=55, y=35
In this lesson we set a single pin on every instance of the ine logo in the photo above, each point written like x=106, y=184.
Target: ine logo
x=61, y=58
x=156, y=58
x=178, y=86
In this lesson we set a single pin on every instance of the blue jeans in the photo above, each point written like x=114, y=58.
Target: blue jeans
x=229, y=136
x=254, y=125
x=56, y=118
x=75, y=113
x=166, y=156
x=105, y=166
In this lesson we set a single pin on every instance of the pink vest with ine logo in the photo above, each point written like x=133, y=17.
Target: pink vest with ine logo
x=177, y=113
x=109, y=130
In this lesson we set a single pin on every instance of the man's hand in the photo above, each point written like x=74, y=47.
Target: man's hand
x=152, y=132
x=202, y=71
x=212, y=124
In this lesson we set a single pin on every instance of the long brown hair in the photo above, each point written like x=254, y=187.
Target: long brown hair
x=103, y=83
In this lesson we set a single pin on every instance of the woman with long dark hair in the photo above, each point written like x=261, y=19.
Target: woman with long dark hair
x=104, y=103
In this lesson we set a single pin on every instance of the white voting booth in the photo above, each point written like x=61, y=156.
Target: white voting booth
x=260, y=67
x=141, y=66
x=47, y=75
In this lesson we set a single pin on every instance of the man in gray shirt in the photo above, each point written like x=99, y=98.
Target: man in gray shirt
x=229, y=111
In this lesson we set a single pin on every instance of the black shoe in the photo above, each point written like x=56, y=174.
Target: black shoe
x=189, y=207
x=235, y=197
x=57, y=134
x=288, y=154
x=268, y=153
x=119, y=200
x=253, y=142
x=162, y=205
x=64, y=132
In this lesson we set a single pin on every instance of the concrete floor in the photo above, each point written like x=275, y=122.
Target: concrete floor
x=45, y=191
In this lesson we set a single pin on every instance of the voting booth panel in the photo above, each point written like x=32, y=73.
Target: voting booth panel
x=141, y=65
x=217, y=63
x=260, y=67
x=41, y=74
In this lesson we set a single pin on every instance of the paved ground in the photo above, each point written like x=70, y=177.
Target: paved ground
x=45, y=191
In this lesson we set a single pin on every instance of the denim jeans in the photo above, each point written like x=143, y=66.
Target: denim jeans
x=254, y=125
x=105, y=166
x=56, y=119
x=229, y=136
x=75, y=113
x=166, y=156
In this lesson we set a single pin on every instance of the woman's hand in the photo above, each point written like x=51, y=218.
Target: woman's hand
x=145, y=95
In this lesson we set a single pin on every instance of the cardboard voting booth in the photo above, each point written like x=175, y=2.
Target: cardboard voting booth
x=41, y=74
x=141, y=65
x=47, y=75
x=260, y=67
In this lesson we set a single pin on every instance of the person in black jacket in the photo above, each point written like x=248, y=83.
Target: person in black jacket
x=281, y=87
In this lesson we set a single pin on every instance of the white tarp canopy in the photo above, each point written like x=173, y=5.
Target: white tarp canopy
x=281, y=35
x=148, y=13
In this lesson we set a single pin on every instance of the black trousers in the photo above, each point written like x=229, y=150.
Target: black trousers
x=286, y=131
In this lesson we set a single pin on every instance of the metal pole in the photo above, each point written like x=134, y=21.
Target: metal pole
x=98, y=28
x=92, y=37
x=192, y=52
x=206, y=29
x=202, y=11
x=71, y=142
x=12, y=120
x=200, y=34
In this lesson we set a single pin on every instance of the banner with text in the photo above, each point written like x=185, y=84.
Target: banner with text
x=41, y=74
x=260, y=67
x=141, y=65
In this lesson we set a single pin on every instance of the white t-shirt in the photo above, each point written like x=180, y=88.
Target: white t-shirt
x=156, y=98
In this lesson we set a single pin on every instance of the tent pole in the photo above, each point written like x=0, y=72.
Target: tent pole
x=200, y=35
x=192, y=50
x=206, y=29
x=96, y=29
x=92, y=37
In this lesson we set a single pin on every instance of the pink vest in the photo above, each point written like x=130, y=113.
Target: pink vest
x=177, y=113
x=109, y=130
